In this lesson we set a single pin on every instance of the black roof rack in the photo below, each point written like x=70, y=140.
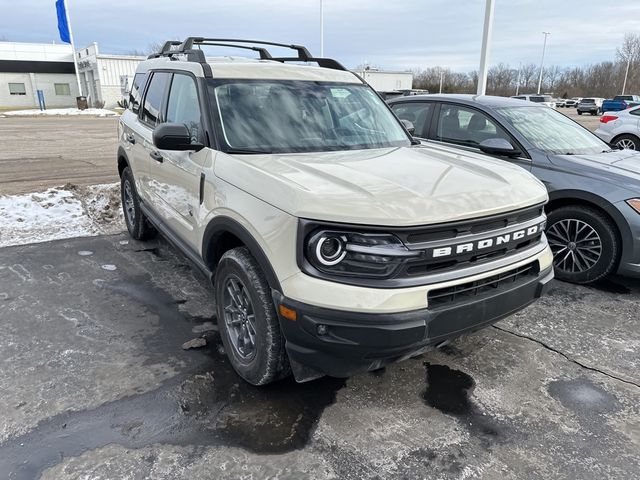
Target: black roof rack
x=173, y=47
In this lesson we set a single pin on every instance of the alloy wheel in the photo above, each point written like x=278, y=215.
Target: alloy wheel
x=626, y=144
x=575, y=244
x=239, y=318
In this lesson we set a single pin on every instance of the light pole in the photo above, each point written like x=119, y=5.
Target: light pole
x=518, y=80
x=626, y=74
x=321, y=29
x=544, y=47
x=486, y=46
x=441, y=78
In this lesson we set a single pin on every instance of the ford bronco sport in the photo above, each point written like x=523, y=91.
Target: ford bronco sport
x=336, y=244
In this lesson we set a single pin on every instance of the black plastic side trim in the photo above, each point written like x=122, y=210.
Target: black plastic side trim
x=201, y=191
x=220, y=225
x=175, y=240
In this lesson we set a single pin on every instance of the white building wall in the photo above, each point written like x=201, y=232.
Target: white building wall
x=383, y=81
x=102, y=74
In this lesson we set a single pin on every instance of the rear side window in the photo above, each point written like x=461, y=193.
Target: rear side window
x=135, y=94
x=151, y=110
x=415, y=112
x=635, y=111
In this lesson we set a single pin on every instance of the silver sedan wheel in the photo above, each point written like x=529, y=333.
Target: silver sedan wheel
x=576, y=246
x=239, y=318
x=626, y=144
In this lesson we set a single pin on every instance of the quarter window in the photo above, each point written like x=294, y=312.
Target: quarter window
x=464, y=126
x=17, y=89
x=416, y=113
x=62, y=89
x=135, y=93
x=183, y=107
x=151, y=111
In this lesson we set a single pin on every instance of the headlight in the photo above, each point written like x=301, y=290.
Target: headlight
x=634, y=203
x=356, y=254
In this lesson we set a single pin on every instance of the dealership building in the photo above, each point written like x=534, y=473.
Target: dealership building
x=26, y=68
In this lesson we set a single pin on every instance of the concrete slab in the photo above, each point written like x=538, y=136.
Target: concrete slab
x=96, y=385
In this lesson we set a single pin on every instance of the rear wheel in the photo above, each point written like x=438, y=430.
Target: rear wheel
x=628, y=142
x=579, y=112
x=137, y=224
x=247, y=319
x=584, y=243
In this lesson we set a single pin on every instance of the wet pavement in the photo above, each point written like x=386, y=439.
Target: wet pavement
x=95, y=385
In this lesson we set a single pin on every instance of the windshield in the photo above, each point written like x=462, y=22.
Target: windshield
x=552, y=132
x=277, y=116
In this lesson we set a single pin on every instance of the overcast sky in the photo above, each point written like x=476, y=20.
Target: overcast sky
x=390, y=34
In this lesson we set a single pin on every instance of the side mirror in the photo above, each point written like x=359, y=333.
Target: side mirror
x=174, y=136
x=408, y=125
x=498, y=146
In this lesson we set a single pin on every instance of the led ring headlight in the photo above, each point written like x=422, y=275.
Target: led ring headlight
x=330, y=250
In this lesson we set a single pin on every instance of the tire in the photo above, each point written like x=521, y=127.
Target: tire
x=137, y=224
x=585, y=243
x=239, y=281
x=579, y=112
x=630, y=142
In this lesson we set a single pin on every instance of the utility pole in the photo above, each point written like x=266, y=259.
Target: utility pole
x=73, y=48
x=441, y=77
x=486, y=46
x=321, y=29
x=626, y=74
x=544, y=47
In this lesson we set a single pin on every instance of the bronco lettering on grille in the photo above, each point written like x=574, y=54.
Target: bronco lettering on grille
x=499, y=240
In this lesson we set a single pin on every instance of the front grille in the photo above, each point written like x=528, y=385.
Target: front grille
x=460, y=293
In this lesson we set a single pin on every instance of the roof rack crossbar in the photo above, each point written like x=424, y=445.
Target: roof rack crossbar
x=264, y=53
x=303, y=53
x=174, y=47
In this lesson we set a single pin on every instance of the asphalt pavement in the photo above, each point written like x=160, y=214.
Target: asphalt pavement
x=95, y=384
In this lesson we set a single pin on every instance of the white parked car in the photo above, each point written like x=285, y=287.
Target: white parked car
x=621, y=129
x=545, y=100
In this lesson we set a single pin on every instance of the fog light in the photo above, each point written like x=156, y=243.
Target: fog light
x=322, y=330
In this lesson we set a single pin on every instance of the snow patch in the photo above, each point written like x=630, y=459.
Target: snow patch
x=96, y=112
x=62, y=212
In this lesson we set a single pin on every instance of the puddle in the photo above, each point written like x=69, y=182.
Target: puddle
x=449, y=391
x=206, y=404
x=583, y=397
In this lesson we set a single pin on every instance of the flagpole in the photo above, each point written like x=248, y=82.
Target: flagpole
x=73, y=46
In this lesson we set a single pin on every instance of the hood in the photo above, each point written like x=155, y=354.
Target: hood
x=621, y=166
x=391, y=187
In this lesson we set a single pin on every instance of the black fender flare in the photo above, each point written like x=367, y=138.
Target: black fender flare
x=122, y=154
x=221, y=225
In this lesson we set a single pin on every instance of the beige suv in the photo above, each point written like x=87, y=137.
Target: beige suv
x=335, y=242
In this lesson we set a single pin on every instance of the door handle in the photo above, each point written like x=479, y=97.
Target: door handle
x=131, y=138
x=156, y=156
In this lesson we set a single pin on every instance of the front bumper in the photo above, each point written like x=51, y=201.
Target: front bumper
x=322, y=341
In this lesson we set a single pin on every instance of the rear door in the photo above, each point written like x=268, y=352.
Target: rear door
x=150, y=116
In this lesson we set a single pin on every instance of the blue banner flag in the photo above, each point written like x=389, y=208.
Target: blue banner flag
x=63, y=26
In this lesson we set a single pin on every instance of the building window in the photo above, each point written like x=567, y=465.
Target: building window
x=17, y=89
x=62, y=89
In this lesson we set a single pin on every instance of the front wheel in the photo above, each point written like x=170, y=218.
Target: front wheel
x=584, y=243
x=247, y=319
x=579, y=112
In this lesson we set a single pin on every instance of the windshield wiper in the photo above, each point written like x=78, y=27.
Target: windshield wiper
x=246, y=151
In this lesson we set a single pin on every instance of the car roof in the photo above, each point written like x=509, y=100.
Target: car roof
x=485, y=100
x=248, y=68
